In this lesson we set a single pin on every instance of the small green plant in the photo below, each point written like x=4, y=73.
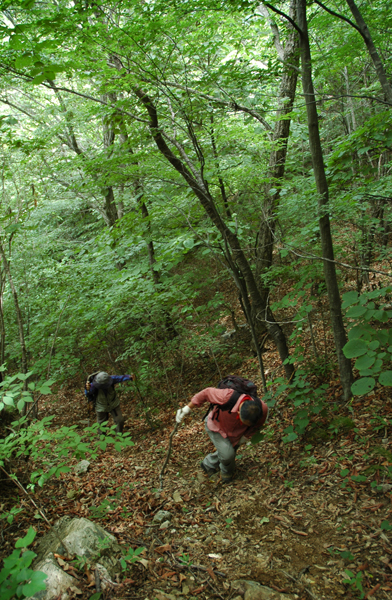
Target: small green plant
x=355, y=581
x=309, y=460
x=344, y=424
x=12, y=392
x=228, y=522
x=288, y=484
x=16, y=578
x=80, y=562
x=307, y=400
x=378, y=423
x=131, y=556
x=11, y=514
x=368, y=343
x=185, y=559
x=345, y=554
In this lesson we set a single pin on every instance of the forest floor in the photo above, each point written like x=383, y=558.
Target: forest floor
x=293, y=518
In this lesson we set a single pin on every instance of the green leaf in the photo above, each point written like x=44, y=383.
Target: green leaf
x=355, y=348
x=24, y=376
x=8, y=400
x=257, y=437
x=45, y=390
x=21, y=405
x=363, y=386
x=344, y=472
x=386, y=526
x=356, y=311
x=381, y=315
x=365, y=362
x=290, y=437
x=26, y=541
x=386, y=378
x=264, y=520
x=35, y=584
x=23, y=61
x=39, y=79
x=349, y=298
x=358, y=478
x=360, y=331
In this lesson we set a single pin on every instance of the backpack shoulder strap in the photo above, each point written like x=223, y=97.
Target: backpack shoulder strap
x=227, y=406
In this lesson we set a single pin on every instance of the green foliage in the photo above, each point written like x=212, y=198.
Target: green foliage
x=341, y=423
x=369, y=342
x=386, y=526
x=11, y=514
x=355, y=581
x=16, y=578
x=131, y=556
x=307, y=401
x=51, y=450
x=12, y=393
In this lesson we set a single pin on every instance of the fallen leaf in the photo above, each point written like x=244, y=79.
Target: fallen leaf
x=164, y=548
x=167, y=574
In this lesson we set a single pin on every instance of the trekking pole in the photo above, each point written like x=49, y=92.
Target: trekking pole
x=167, y=456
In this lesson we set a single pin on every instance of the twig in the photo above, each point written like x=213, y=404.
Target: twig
x=217, y=366
x=167, y=456
x=33, y=405
x=20, y=486
x=307, y=590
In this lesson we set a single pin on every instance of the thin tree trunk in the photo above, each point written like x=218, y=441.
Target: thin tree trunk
x=378, y=64
x=2, y=325
x=339, y=333
x=19, y=318
x=259, y=308
x=277, y=161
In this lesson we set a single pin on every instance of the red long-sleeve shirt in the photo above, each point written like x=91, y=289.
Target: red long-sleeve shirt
x=228, y=424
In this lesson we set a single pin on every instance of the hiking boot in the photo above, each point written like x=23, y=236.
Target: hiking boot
x=226, y=478
x=207, y=470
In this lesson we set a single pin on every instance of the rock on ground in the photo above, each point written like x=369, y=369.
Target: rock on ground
x=251, y=590
x=80, y=538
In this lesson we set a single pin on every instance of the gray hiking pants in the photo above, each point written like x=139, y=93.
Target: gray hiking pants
x=224, y=457
x=117, y=418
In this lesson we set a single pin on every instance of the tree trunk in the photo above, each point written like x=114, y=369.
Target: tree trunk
x=345, y=370
x=238, y=256
x=19, y=318
x=277, y=161
x=2, y=325
x=378, y=64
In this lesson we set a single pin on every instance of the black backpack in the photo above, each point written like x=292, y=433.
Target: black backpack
x=91, y=396
x=240, y=386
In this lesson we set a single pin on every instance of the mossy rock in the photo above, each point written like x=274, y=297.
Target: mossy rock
x=317, y=434
x=342, y=423
x=381, y=451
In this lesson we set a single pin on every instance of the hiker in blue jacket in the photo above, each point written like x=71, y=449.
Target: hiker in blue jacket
x=100, y=390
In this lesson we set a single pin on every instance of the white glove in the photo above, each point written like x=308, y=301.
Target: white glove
x=180, y=414
x=243, y=440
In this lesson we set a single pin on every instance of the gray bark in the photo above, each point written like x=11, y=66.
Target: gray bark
x=378, y=64
x=230, y=238
x=339, y=333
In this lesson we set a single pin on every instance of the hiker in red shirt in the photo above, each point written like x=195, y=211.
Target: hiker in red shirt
x=227, y=428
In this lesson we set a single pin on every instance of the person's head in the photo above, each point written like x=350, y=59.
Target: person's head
x=102, y=380
x=250, y=412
